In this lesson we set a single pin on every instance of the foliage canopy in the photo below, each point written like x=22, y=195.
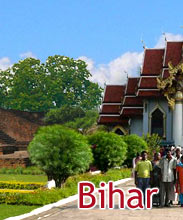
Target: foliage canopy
x=34, y=86
x=109, y=149
x=73, y=117
x=64, y=114
x=60, y=152
x=84, y=123
x=153, y=143
x=135, y=145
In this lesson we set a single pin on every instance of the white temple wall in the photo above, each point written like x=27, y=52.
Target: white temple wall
x=136, y=126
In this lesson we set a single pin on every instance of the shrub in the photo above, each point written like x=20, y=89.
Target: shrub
x=60, y=152
x=135, y=145
x=40, y=197
x=21, y=170
x=109, y=149
x=20, y=185
x=16, y=191
x=153, y=143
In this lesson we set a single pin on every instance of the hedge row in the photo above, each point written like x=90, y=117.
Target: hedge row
x=20, y=185
x=38, y=197
x=21, y=170
x=16, y=191
x=112, y=174
x=42, y=196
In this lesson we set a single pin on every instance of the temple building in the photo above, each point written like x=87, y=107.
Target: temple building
x=152, y=102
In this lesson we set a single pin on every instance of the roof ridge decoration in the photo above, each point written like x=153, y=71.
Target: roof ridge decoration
x=172, y=84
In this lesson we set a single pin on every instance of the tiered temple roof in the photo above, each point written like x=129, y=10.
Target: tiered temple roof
x=122, y=102
x=111, y=106
x=131, y=104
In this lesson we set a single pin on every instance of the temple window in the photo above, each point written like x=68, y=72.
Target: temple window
x=157, y=122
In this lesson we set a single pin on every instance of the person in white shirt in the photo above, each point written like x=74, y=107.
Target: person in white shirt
x=168, y=173
x=178, y=154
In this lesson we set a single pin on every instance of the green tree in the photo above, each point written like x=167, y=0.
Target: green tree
x=64, y=114
x=35, y=86
x=74, y=117
x=153, y=143
x=25, y=86
x=84, y=123
x=70, y=84
x=109, y=149
x=135, y=145
x=60, y=152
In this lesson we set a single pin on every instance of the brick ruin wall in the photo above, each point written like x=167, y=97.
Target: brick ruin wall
x=17, y=127
x=17, y=159
x=14, y=162
x=16, y=131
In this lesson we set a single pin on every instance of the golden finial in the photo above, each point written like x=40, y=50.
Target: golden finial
x=164, y=36
x=126, y=73
x=143, y=43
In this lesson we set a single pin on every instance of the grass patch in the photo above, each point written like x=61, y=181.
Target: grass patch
x=23, y=178
x=14, y=210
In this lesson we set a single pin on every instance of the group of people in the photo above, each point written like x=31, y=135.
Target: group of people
x=165, y=172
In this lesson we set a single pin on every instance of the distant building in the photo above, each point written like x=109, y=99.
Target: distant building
x=151, y=103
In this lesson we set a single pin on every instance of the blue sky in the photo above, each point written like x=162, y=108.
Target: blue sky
x=104, y=33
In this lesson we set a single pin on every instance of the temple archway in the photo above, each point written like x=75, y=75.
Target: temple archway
x=119, y=130
x=157, y=122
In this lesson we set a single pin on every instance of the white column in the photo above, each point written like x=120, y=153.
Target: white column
x=177, y=121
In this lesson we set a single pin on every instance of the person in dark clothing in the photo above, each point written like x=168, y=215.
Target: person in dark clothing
x=156, y=177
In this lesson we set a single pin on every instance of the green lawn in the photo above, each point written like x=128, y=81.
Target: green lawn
x=14, y=210
x=23, y=178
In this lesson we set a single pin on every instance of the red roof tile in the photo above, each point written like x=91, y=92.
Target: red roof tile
x=165, y=73
x=148, y=83
x=132, y=101
x=112, y=120
x=153, y=61
x=106, y=109
x=149, y=93
x=114, y=93
x=132, y=86
x=129, y=112
x=173, y=53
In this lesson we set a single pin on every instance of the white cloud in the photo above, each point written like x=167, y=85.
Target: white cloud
x=27, y=54
x=115, y=72
x=5, y=63
x=169, y=37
